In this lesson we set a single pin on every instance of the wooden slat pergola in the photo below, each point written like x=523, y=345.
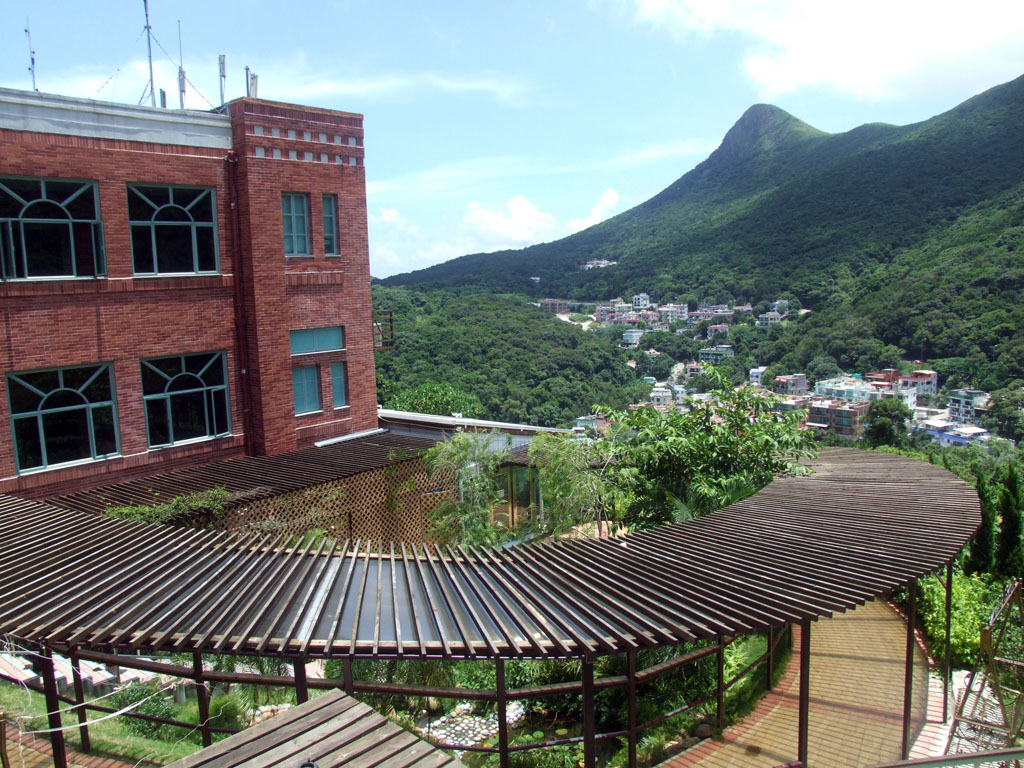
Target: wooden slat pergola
x=862, y=525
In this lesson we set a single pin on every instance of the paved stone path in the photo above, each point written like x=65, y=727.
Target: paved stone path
x=856, y=698
x=33, y=752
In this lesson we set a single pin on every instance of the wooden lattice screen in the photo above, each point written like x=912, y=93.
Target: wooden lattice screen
x=390, y=504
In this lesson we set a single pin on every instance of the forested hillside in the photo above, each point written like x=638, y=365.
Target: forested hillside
x=523, y=364
x=909, y=237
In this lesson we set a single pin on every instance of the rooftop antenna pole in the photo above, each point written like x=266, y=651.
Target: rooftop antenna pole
x=149, y=46
x=181, y=70
x=223, y=75
x=248, y=81
x=31, y=55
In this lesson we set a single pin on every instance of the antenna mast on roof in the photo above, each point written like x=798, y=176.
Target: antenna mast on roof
x=31, y=55
x=149, y=46
x=222, y=60
x=181, y=70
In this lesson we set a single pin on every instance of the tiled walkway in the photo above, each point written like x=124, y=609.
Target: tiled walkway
x=33, y=752
x=857, y=662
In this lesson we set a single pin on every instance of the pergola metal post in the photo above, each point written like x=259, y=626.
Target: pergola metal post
x=589, y=724
x=499, y=677
x=720, y=690
x=83, y=716
x=60, y=757
x=301, y=687
x=805, y=691
x=346, y=665
x=203, y=697
x=908, y=669
x=769, y=663
x=631, y=704
x=946, y=671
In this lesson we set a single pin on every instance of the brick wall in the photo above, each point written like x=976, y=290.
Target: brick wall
x=120, y=319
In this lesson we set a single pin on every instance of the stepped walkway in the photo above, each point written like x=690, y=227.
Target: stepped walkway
x=856, y=701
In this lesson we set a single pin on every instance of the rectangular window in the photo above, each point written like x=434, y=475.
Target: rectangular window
x=186, y=398
x=339, y=385
x=331, y=225
x=174, y=230
x=306, y=385
x=307, y=340
x=295, y=216
x=63, y=415
x=49, y=228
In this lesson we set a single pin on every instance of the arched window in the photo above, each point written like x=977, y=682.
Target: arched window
x=49, y=228
x=186, y=398
x=174, y=230
x=62, y=415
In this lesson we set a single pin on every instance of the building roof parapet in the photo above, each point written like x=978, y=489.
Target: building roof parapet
x=72, y=116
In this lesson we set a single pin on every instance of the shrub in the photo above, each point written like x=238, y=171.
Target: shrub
x=972, y=602
x=207, y=504
x=147, y=699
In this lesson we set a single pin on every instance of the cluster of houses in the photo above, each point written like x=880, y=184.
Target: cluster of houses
x=841, y=404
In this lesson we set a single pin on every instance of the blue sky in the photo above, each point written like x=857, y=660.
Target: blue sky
x=497, y=125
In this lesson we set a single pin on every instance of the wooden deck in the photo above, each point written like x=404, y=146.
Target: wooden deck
x=330, y=730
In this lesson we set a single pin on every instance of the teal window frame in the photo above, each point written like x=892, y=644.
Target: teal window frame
x=70, y=382
x=339, y=384
x=305, y=341
x=295, y=221
x=177, y=384
x=61, y=214
x=330, y=210
x=306, y=389
x=187, y=215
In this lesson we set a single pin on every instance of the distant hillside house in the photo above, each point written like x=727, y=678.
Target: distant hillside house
x=641, y=301
x=768, y=319
x=631, y=337
x=715, y=330
x=842, y=418
x=598, y=264
x=966, y=406
x=673, y=313
x=852, y=389
x=924, y=381
x=756, y=374
x=716, y=354
x=791, y=384
x=555, y=306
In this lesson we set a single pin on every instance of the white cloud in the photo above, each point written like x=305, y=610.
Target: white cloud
x=874, y=49
x=402, y=246
x=601, y=211
x=292, y=79
x=521, y=224
x=664, y=151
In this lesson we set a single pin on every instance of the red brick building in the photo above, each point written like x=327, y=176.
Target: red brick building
x=177, y=287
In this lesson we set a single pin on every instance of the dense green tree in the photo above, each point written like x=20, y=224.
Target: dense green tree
x=473, y=462
x=886, y=422
x=1005, y=415
x=438, y=398
x=1009, y=553
x=981, y=555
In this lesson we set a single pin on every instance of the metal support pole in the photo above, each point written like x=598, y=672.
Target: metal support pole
x=769, y=666
x=346, y=665
x=805, y=691
x=499, y=676
x=203, y=697
x=301, y=686
x=60, y=755
x=908, y=669
x=631, y=703
x=83, y=717
x=720, y=691
x=946, y=670
x=589, y=716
